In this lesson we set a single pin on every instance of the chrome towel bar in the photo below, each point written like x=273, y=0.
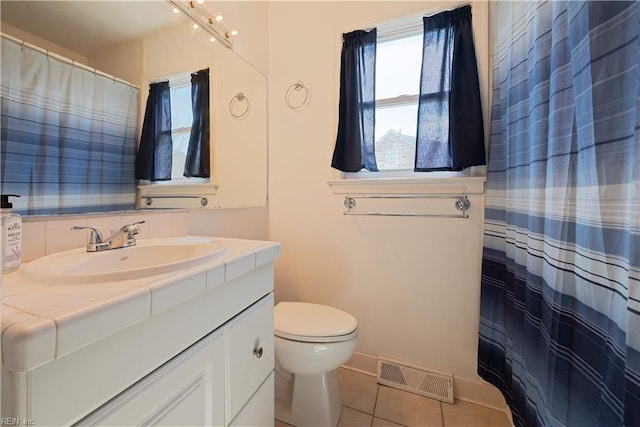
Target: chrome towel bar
x=461, y=204
x=148, y=200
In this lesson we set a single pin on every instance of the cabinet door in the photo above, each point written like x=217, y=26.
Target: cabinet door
x=187, y=390
x=259, y=412
x=251, y=353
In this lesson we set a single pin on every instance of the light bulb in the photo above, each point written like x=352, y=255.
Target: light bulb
x=176, y=10
x=219, y=17
x=200, y=1
x=234, y=33
x=195, y=26
x=212, y=39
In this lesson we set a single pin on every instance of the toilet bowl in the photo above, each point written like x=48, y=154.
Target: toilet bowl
x=311, y=342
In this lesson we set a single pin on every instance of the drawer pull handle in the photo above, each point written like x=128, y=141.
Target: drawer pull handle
x=257, y=352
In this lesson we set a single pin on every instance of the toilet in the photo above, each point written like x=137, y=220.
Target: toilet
x=311, y=342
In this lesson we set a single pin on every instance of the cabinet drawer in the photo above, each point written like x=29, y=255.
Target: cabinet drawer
x=250, y=351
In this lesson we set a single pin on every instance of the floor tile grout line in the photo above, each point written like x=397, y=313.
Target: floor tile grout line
x=375, y=403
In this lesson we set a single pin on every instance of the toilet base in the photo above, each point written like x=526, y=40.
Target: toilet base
x=307, y=400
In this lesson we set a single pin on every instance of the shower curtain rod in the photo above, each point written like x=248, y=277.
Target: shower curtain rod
x=67, y=60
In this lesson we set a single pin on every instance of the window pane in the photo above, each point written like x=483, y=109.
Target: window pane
x=180, y=144
x=181, y=121
x=181, y=113
x=398, y=64
x=396, y=137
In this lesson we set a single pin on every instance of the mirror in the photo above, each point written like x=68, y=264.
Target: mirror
x=143, y=42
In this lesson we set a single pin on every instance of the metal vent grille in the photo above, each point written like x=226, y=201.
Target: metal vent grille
x=431, y=384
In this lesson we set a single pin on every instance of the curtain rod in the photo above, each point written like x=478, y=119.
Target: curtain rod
x=67, y=60
x=398, y=21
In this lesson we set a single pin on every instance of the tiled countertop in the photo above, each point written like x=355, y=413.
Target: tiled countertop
x=44, y=321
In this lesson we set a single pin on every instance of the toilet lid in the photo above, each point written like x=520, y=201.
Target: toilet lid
x=301, y=321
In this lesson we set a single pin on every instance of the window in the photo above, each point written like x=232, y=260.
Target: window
x=409, y=92
x=181, y=121
x=398, y=64
x=174, y=142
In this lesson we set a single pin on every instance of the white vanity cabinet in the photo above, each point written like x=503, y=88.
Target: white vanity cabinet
x=187, y=390
x=190, y=388
x=206, y=360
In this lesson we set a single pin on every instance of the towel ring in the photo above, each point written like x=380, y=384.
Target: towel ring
x=297, y=86
x=240, y=97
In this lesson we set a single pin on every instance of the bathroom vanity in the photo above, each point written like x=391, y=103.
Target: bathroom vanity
x=186, y=346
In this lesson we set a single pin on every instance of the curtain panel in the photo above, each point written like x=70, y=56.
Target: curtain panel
x=68, y=140
x=197, y=163
x=155, y=152
x=560, y=287
x=354, y=149
x=450, y=135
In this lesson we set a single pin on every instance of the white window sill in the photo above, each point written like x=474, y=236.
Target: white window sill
x=175, y=195
x=433, y=184
x=177, y=188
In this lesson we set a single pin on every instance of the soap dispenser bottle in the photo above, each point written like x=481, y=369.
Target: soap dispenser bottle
x=11, y=235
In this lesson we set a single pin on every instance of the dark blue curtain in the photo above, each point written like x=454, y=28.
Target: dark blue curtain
x=450, y=131
x=354, y=148
x=197, y=163
x=155, y=151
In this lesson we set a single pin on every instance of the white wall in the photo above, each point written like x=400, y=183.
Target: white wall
x=412, y=283
x=43, y=43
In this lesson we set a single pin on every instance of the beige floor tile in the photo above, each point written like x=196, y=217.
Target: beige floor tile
x=407, y=408
x=357, y=391
x=379, y=422
x=278, y=423
x=352, y=418
x=466, y=414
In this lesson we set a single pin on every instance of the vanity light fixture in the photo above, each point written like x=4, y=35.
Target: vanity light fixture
x=202, y=18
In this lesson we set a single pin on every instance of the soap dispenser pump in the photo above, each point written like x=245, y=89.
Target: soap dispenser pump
x=11, y=235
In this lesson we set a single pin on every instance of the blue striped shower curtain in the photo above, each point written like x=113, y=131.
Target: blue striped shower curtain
x=560, y=294
x=68, y=135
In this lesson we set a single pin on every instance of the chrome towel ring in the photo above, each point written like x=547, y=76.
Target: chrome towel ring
x=296, y=87
x=236, y=100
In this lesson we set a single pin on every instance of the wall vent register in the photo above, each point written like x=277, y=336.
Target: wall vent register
x=435, y=385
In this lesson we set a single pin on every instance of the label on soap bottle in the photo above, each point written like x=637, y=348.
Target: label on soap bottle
x=12, y=242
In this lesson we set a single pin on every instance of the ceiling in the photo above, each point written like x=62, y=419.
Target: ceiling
x=88, y=27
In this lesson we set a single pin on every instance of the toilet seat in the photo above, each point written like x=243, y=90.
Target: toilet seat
x=307, y=322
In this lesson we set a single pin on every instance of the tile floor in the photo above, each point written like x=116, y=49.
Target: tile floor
x=366, y=403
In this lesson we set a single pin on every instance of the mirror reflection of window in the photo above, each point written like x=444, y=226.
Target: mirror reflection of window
x=181, y=121
x=175, y=139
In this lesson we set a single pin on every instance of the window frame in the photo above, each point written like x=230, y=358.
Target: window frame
x=404, y=28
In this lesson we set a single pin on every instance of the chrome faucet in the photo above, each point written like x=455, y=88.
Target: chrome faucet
x=122, y=238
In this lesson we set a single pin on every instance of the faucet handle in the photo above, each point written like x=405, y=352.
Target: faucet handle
x=95, y=236
x=132, y=228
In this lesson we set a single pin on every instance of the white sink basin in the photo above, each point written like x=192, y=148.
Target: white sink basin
x=148, y=257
